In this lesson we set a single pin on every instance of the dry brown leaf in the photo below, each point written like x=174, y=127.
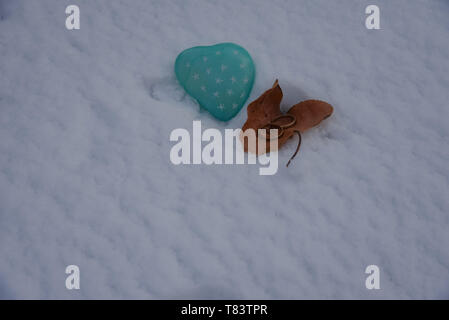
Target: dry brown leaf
x=266, y=110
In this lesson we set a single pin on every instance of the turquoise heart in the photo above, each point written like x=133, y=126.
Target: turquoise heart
x=219, y=77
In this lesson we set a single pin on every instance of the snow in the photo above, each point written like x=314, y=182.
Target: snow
x=86, y=178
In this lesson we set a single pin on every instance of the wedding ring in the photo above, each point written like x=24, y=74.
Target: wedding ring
x=288, y=125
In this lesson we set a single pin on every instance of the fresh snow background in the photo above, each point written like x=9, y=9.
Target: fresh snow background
x=86, y=179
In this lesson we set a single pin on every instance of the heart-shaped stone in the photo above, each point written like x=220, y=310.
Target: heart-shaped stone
x=219, y=77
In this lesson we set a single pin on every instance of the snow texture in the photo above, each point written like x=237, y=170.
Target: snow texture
x=86, y=178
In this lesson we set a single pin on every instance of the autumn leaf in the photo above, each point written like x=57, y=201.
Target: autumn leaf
x=265, y=113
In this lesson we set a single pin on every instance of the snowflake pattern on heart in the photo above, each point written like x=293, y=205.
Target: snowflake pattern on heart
x=219, y=77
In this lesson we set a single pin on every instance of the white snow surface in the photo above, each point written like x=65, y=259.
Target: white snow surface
x=86, y=177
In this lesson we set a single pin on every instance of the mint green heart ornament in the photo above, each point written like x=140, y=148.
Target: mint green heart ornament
x=219, y=77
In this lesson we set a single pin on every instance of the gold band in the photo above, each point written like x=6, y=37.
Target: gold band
x=288, y=125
